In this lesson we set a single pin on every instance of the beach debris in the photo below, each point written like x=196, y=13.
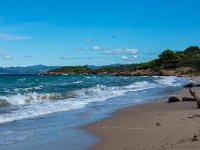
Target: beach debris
x=173, y=99
x=190, y=117
x=194, y=116
x=197, y=99
x=189, y=85
x=158, y=124
x=182, y=141
x=188, y=99
x=195, y=138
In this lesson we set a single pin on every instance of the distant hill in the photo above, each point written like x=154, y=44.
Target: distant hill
x=169, y=62
x=40, y=69
x=37, y=69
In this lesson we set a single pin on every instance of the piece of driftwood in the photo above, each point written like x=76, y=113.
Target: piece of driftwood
x=197, y=99
x=190, y=85
x=188, y=99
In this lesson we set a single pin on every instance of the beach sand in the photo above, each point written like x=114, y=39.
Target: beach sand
x=153, y=126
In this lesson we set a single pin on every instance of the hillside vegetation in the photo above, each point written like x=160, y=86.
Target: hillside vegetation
x=169, y=62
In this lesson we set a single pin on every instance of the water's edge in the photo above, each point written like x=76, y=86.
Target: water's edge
x=67, y=132
x=116, y=112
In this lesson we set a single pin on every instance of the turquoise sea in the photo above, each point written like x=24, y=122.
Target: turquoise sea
x=46, y=111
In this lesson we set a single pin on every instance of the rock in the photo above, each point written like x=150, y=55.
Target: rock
x=195, y=138
x=189, y=85
x=173, y=99
x=190, y=117
x=188, y=99
x=158, y=124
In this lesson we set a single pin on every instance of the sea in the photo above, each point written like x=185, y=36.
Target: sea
x=48, y=111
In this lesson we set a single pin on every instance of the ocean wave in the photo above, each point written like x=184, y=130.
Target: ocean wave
x=4, y=103
x=96, y=92
x=37, y=104
x=29, y=88
x=167, y=81
x=24, y=99
x=77, y=82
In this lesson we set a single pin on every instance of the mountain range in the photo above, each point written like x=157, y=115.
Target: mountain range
x=39, y=69
x=36, y=69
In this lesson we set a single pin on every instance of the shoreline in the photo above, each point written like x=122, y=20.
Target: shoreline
x=152, y=126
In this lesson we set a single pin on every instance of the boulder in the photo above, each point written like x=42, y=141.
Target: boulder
x=173, y=99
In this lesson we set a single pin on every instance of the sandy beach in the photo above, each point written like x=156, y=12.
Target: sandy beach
x=152, y=126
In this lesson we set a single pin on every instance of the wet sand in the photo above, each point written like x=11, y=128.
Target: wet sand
x=153, y=126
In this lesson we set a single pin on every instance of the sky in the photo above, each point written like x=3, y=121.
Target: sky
x=94, y=32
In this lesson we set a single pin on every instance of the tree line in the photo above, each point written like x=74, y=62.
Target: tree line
x=168, y=59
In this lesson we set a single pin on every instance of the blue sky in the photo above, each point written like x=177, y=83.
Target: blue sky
x=95, y=32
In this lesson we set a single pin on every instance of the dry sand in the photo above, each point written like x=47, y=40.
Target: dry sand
x=154, y=126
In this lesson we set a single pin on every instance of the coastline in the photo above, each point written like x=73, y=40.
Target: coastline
x=152, y=126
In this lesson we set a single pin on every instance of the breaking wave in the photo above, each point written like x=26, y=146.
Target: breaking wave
x=35, y=104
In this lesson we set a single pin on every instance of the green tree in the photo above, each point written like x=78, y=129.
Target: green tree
x=192, y=51
x=168, y=58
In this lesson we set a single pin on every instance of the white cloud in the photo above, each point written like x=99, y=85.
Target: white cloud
x=88, y=40
x=135, y=57
x=96, y=48
x=126, y=58
x=122, y=51
x=129, y=51
x=128, y=54
x=6, y=56
x=11, y=37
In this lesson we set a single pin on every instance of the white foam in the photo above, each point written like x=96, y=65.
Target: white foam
x=77, y=82
x=37, y=104
x=140, y=86
x=29, y=98
x=29, y=88
x=35, y=110
x=167, y=81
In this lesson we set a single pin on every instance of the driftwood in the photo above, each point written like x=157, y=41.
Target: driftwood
x=188, y=99
x=197, y=99
x=190, y=85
